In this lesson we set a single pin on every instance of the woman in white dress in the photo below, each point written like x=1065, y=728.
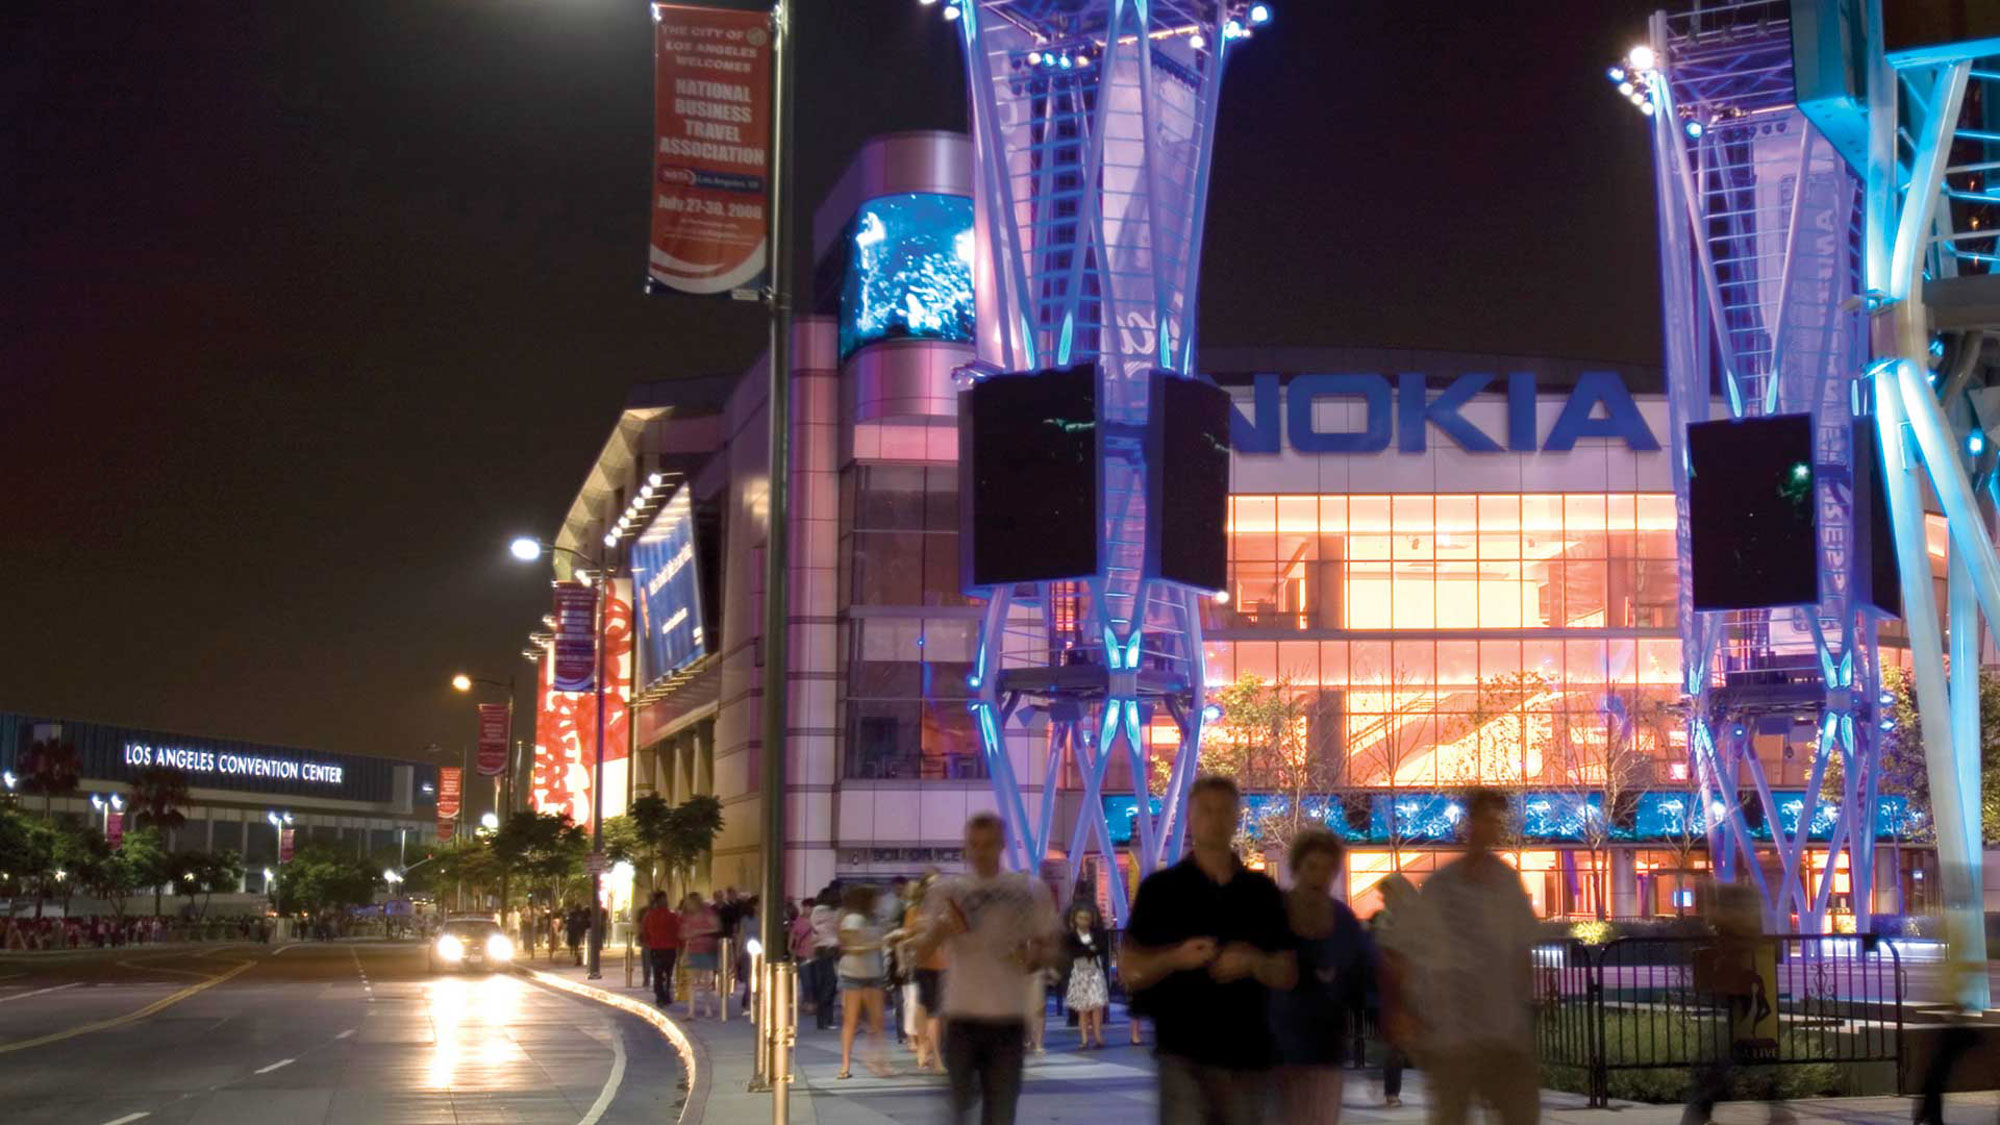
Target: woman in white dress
x=1088, y=964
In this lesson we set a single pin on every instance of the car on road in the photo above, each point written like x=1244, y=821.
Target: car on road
x=470, y=942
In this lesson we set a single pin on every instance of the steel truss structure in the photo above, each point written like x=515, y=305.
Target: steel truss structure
x=1758, y=248
x=1806, y=285
x=1093, y=123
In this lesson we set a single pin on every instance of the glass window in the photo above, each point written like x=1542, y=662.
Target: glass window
x=1583, y=594
x=1253, y=527
x=905, y=711
x=1368, y=527
x=1367, y=602
x=1412, y=590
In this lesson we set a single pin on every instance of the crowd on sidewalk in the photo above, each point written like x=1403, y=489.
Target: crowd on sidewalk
x=1252, y=992
x=104, y=931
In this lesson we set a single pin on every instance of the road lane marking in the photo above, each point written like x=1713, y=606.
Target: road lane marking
x=611, y=1083
x=345, y=1034
x=274, y=1066
x=39, y=991
x=119, y=1021
x=128, y=1118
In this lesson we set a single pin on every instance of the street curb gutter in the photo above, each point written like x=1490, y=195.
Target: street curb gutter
x=693, y=1056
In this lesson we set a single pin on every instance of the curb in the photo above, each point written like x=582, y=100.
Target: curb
x=693, y=1055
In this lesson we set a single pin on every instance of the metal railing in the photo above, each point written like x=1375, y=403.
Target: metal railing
x=1684, y=1002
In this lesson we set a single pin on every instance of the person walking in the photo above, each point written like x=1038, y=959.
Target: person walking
x=799, y=940
x=1403, y=936
x=927, y=978
x=575, y=924
x=995, y=927
x=1311, y=1019
x=1087, y=969
x=660, y=930
x=826, y=956
x=863, y=973
x=1480, y=981
x=701, y=938
x=1206, y=944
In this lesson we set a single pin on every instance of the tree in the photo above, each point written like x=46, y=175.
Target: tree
x=652, y=824
x=1384, y=747
x=151, y=863
x=209, y=872
x=1597, y=750
x=692, y=830
x=158, y=796
x=1265, y=739
x=320, y=878
x=49, y=768
x=463, y=862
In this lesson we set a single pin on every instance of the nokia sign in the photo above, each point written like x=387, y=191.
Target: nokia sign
x=1405, y=411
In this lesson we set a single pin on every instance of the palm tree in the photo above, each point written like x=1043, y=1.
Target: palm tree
x=49, y=768
x=158, y=796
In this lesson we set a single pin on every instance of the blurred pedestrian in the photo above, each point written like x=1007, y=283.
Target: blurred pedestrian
x=1207, y=942
x=575, y=924
x=863, y=975
x=701, y=940
x=660, y=931
x=1402, y=935
x=826, y=955
x=1311, y=1019
x=1481, y=1045
x=926, y=978
x=1087, y=973
x=996, y=927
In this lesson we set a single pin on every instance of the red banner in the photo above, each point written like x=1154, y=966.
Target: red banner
x=446, y=828
x=575, y=645
x=566, y=725
x=284, y=845
x=451, y=786
x=711, y=149
x=114, y=828
x=493, y=722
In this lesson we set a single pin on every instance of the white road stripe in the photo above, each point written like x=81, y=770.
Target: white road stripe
x=274, y=1066
x=127, y=1118
x=284, y=948
x=39, y=991
x=611, y=1084
x=345, y=1034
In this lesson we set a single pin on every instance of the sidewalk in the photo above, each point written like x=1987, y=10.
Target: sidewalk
x=1113, y=1086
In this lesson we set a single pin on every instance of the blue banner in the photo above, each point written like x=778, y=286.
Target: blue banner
x=666, y=585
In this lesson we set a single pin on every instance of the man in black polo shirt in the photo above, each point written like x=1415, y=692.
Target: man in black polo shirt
x=1206, y=941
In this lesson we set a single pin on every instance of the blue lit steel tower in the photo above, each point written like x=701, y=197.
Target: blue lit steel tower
x=1758, y=251
x=1877, y=238
x=1093, y=125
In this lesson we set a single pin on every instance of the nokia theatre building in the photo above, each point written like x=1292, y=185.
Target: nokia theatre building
x=1463, y=567
x=243, y=796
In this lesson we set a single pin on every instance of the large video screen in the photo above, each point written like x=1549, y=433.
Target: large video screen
x=909, y=271
x=1029, y=469
x=1752, y=513
x=666, y=581
x=1188, y=473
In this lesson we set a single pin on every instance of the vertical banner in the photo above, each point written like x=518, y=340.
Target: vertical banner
x=446, y=828
x=575, y=644
x=493, y=739
x=711, y=150
x=451, y=786
x=114, y=828
x=566, y=725
x=284, y=845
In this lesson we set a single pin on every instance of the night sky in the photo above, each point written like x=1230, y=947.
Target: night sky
x=309, y=307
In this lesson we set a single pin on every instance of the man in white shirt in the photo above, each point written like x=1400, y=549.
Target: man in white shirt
x=996, y=927
x=1480, y=1039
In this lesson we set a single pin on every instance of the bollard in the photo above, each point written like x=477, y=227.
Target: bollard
x=760, y=999
x=782, y=1001
x=628, y=962
x=725, y=977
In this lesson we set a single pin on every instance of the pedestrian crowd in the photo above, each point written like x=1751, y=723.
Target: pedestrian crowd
x=684, y=942
x=104, y=931
x=1252, y=991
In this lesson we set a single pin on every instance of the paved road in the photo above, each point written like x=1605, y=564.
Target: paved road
x=312, y=1033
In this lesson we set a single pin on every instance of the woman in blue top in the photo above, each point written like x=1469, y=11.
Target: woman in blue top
x=1310, y=1021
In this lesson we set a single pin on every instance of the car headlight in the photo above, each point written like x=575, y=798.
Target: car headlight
x=499, y=948
x=450, y=948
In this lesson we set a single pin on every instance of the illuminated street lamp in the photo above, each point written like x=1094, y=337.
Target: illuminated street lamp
x=490, y=822
x=8, y=779
x=528, y=549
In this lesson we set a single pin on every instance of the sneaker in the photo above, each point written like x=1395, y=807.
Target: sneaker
x=1392, y=1101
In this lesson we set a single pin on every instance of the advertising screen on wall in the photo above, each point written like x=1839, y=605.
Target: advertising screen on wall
x=666, y=581
x=1751, y=512
x=1028, y=459
x=909, y=271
